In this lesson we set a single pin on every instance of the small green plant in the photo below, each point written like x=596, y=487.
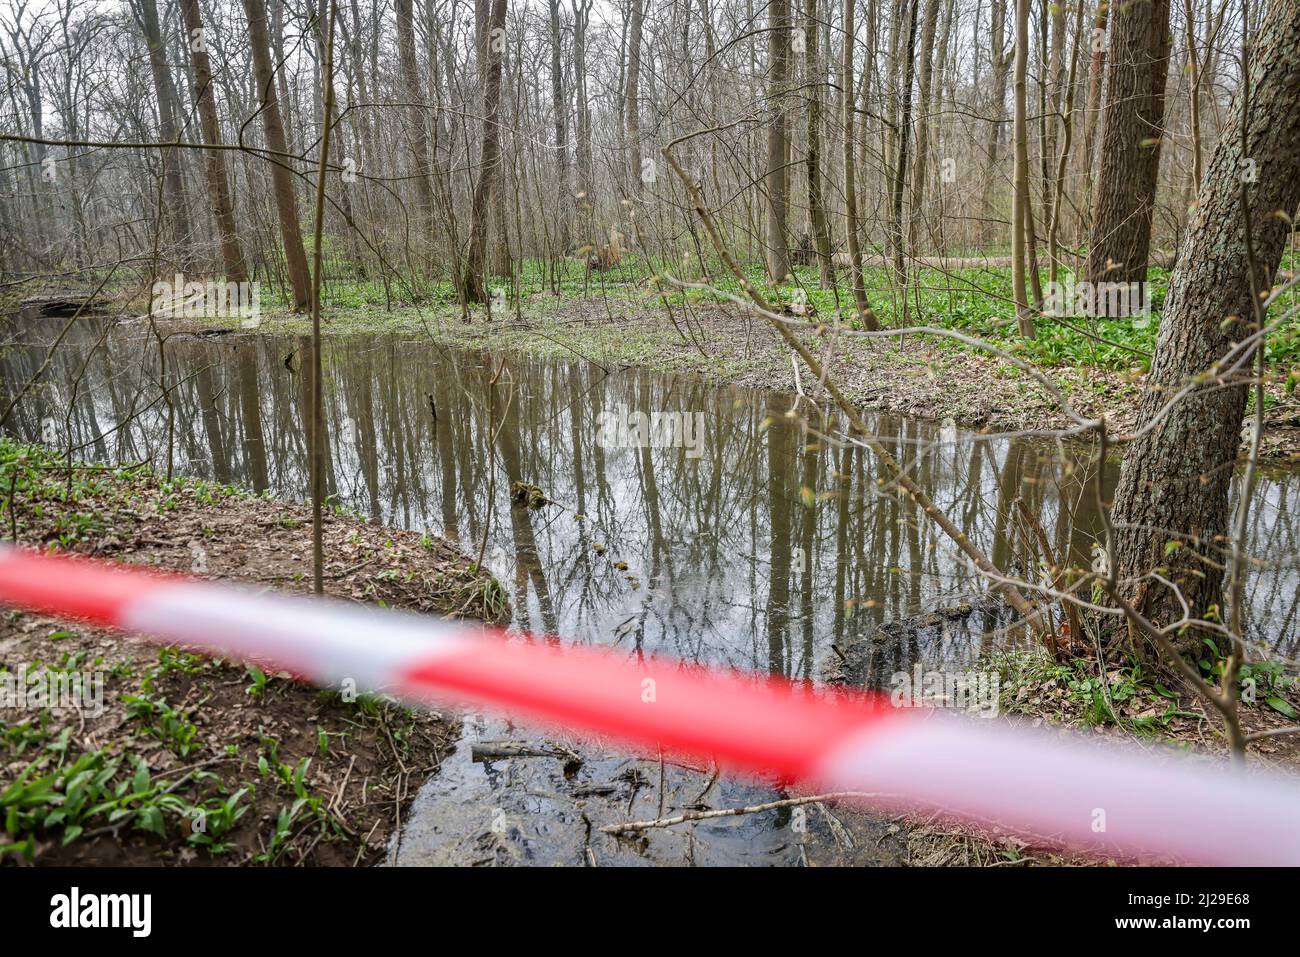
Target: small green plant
x=258, y=688
x=173, y=659
x=305, y=807
x=214, y=819
x=173, y=728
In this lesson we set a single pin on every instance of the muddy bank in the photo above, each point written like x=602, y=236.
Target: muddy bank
x=927, y=378
x=187, y=760
x=512, y=796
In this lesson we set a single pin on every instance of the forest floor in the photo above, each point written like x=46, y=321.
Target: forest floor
x=924, y=376
x=203, y=761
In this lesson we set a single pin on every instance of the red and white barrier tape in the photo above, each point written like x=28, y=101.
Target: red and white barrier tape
x=1047, y=786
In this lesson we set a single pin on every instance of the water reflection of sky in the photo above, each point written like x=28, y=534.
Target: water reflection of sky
x=759, y=553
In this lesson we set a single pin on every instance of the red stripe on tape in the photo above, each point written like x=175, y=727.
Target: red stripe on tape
x=743, y=721
x=1048, y=787
x=76, y=587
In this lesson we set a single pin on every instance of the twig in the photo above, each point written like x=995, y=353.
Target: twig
x=685, y=816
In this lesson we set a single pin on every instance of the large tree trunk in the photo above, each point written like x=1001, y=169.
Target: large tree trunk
x=815, y=74
x=1132, y=126
x=777, y=180
x=281, y=176
x=417, y=129
x=490, y=16
x=214, y=160
x=174, y=210
x=1175, y=481
x=560, y=104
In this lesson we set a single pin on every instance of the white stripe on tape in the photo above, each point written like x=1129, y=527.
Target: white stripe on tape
x=325, y=641
x=1070, y=790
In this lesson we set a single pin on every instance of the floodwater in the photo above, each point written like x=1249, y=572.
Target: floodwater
x=736, y=533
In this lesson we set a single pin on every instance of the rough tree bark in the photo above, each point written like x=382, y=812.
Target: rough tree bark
x=490, y=16
x=1132, y=125
x=281, y=176
x=214, y=160
x=1175, y=480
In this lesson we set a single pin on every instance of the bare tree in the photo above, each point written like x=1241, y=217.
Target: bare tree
x=417, y=126
x=282, y=176
x=1132, y=126
x=864, y=312
x=777, y=180
x=1020, y=204
x=490, y=18
x=814, y=75
x=214, y=160
x=929, y=23
x=560, y=106
x=174, y=211
x=633, y=94
x=1171, y=506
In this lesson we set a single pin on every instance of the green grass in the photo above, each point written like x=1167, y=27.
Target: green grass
x=177, y=709
x=1081, y=693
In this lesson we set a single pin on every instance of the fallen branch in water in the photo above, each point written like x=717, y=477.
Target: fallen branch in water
x=685, y=816
x=500, y=750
